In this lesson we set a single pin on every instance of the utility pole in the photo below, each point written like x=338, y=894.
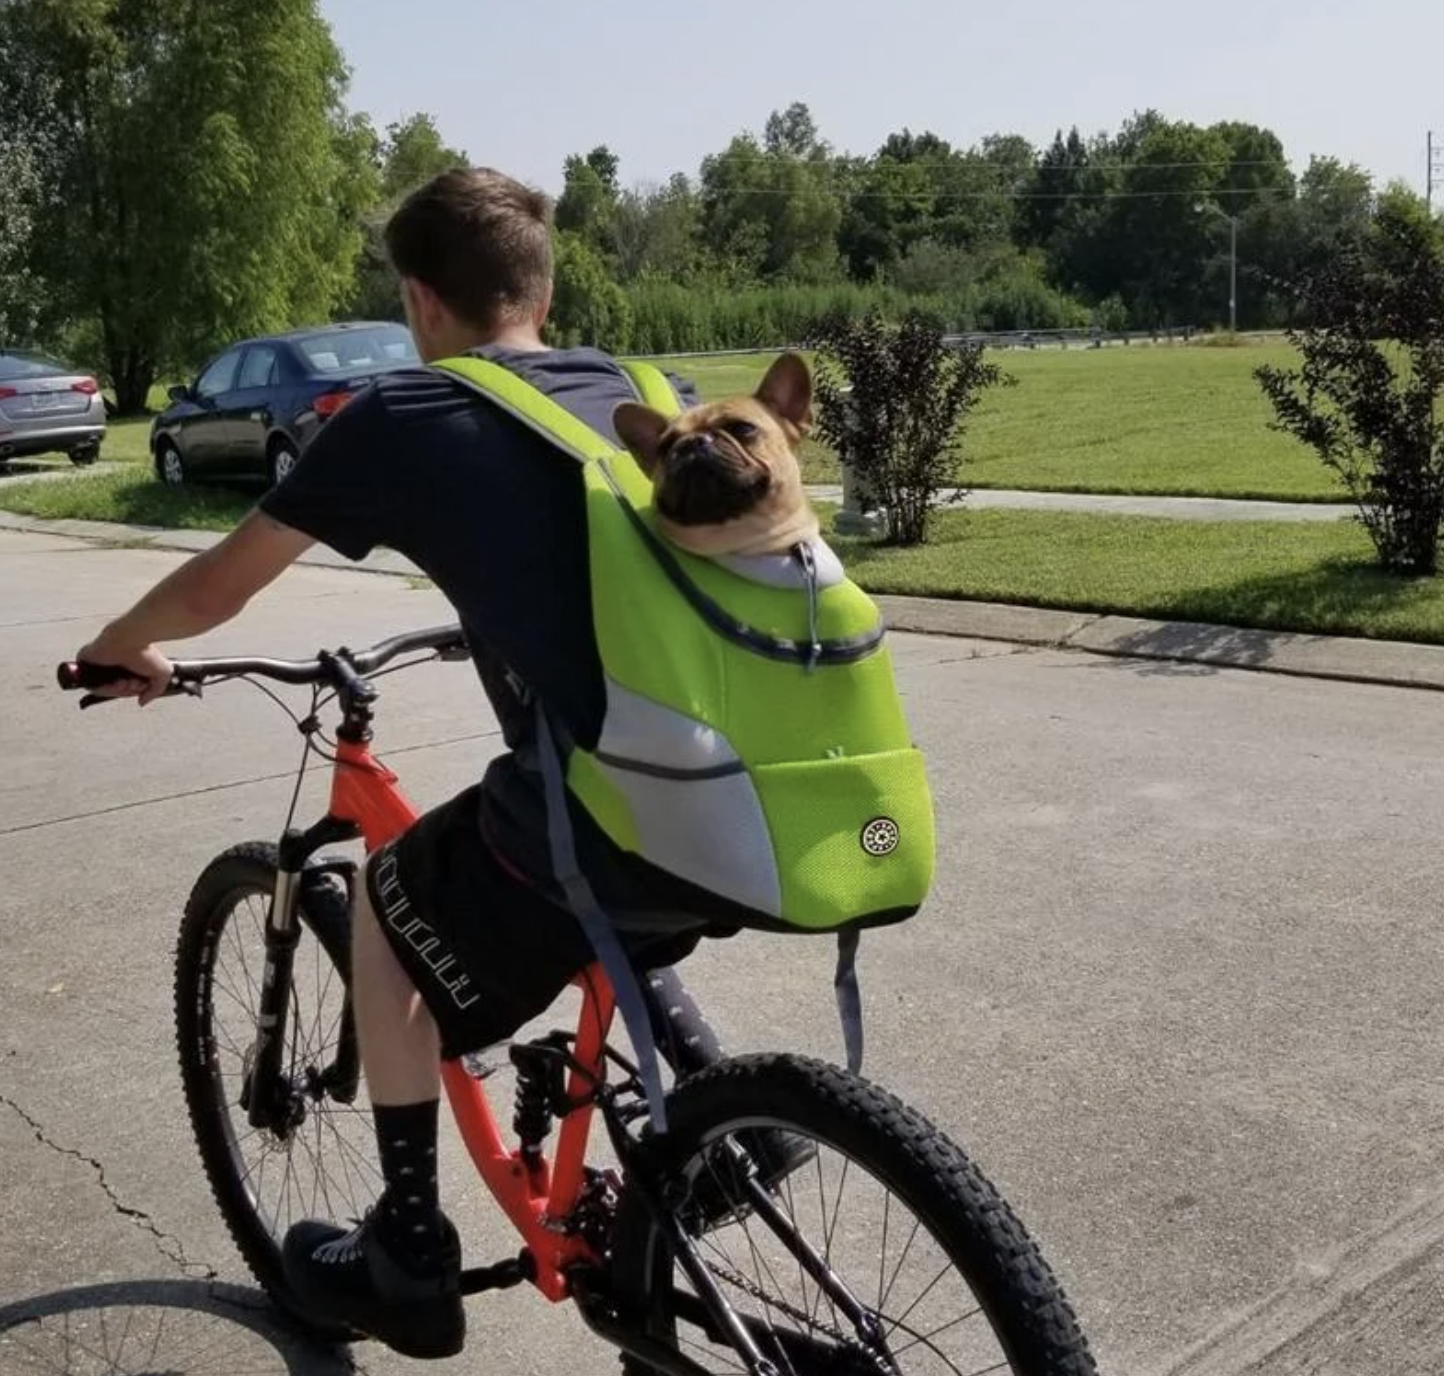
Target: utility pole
x=1213, y=208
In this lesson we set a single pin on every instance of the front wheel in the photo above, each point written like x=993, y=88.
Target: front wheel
x=940, y=1275
x=170, y=468
x=281, y=461
x=316, y=1155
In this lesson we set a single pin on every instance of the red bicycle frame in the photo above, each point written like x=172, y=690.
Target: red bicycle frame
x=538, y=1197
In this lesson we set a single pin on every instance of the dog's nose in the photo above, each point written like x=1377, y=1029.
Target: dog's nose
x=697, y=445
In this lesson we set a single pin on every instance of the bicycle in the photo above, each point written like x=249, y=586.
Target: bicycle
x=671, y=1255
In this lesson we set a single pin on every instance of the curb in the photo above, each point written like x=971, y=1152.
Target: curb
x=1348, y=659
x=1388, y=663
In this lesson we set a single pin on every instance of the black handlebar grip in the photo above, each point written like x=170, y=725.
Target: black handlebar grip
x=83, y=674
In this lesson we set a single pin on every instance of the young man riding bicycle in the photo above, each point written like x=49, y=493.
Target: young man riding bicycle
x=694, y=743
x=459, y=937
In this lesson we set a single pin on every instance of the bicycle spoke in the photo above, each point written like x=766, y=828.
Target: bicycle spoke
x=926, y=1340
x=882, y=1251
x=917, y=1223
x=947, y=1266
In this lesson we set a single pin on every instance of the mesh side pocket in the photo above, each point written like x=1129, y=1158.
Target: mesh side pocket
x=853, y=836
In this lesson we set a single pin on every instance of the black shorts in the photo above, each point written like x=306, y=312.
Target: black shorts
x=486, y=951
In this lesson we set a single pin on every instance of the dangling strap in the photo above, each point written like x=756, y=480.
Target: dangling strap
x=849, y=996
x=597, y=927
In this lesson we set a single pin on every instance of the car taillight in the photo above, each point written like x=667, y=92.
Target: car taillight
x=328, y=403
x=8, y=392
x=88, y=385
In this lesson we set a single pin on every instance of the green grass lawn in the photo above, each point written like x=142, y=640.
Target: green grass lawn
x=1303, y=576
x=127, y=440
x=131, y=494
x=1141, y=420
x=1180, y=421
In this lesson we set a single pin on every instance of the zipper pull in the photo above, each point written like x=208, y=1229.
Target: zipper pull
x=804, y=557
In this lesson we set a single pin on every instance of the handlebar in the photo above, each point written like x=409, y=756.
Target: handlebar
x=341, y=669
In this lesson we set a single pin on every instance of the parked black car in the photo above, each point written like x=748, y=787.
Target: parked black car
x=253, y=408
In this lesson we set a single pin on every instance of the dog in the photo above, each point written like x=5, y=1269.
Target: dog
x=725, y=475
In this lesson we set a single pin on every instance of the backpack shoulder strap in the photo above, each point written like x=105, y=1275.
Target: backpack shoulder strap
x=532, y=407
x=652, y=386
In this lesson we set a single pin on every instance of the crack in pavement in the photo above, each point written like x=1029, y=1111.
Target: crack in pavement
x=167, y=1245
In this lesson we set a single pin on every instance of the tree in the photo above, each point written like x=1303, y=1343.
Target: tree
x=1154, y=227
x=893, y=206
x=588, y=203
x=772, y=211
x=200, y=188
x=588, y=307
x=412, y=153
x=892, y=400
x=20, y=191
x=792, y=133
x=1368, y=397
x=656, y=231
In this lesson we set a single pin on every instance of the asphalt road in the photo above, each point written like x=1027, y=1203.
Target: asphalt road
x=1177, y=991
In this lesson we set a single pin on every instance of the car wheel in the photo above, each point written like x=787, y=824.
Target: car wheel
x=169, y=466
x=84, y=454
x=283, y=459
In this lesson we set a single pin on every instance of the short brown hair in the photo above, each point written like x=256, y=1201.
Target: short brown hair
x=479, y=239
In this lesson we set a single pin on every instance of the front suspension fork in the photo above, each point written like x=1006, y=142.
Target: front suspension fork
x=267, y=1090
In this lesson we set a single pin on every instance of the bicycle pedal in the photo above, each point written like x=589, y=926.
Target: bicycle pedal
x=502, y=1275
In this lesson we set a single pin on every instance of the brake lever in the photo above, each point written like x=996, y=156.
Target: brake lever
x=99, y=699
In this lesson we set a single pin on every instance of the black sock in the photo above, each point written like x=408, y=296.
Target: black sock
x=408, y=1216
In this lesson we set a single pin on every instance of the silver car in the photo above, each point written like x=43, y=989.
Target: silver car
x=47, y=407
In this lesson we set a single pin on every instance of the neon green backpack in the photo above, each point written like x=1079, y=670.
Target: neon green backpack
x=753, y=742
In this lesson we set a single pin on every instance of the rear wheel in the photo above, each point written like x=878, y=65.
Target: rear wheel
x=945, y=1279
x=317, y=1155
x=84, y=454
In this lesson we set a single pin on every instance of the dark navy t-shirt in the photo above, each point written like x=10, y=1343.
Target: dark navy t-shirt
x=495, y=516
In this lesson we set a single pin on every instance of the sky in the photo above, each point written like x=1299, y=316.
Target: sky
x=520, y=86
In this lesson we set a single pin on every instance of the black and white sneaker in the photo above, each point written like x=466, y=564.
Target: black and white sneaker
x=349, y=1279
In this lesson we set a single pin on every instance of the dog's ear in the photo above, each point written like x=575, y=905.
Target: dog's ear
x=787, y=390
x=640, y=428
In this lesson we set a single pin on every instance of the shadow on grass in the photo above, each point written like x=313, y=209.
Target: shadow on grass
x=1238, y=624
x=130, y=495
x=189, y=507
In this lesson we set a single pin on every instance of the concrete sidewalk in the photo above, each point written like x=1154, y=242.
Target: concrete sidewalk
x=1123, y=504
x=1351, y=659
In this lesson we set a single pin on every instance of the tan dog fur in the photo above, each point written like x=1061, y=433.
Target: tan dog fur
x=726, y=474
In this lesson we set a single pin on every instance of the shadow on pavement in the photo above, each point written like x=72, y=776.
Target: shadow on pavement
x=1190, y=648
x=157, y=1328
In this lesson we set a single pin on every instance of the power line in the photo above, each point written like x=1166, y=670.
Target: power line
x=1001, y=194
x=826, y=158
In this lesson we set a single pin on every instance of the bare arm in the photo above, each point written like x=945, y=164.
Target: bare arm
x=203, y=593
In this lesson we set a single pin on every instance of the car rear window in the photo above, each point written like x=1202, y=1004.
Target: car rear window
x=342, y=351
x=13, y=365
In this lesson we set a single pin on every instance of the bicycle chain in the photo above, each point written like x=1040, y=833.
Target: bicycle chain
x=852, y=1344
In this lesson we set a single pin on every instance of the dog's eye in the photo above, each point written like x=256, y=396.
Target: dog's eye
x=742, y=430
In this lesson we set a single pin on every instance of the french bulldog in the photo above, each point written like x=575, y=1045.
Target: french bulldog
x=725, y=475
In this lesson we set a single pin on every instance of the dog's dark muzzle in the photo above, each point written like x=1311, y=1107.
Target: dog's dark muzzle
x=701, y=485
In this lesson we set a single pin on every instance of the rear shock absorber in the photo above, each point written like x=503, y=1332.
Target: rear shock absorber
x=540, y=1094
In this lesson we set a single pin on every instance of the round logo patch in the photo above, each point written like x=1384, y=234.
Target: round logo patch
x=880, y=836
